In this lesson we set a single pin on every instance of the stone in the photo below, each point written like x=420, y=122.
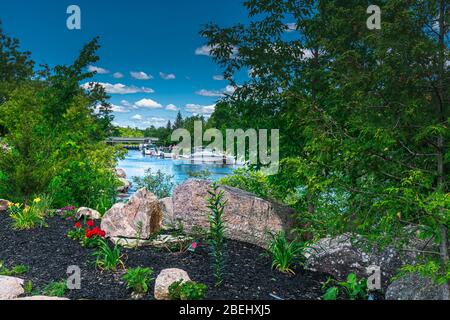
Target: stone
x=88, y=213
x=120, y=173
x=161, y=242
x=345, y=254
x=165, y=279
x=41, y=298
x=412, y=286
x=139, y=218
x=4, y=205
x=247, y=218
x=167, y=212
x=10, y=288
x=126, y=185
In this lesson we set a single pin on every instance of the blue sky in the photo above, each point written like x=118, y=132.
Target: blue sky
x=150, y=49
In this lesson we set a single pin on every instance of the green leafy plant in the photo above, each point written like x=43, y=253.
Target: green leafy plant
x=249, y=180
x=187, y=290
x=202, y=174
x=28, y=287
x=284, y=253
x=353, y=288
x=158, y=183
x=107, y=258
x=27, y=217
x=138, y=279
x=216, y=240
x=55, y=289
x=17, y=270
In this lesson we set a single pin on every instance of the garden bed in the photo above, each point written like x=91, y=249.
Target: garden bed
x=248, y=274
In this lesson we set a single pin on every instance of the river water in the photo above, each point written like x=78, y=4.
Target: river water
x=135, y=164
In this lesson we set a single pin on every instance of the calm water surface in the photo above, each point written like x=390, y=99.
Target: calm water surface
x=135, y=164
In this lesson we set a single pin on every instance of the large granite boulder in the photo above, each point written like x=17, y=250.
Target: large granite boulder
x=139, y=218
x=10, y=288
x=246, y=217
x=414, y=287
x=3, y=205
x=167, y=211
x=165, y=279
x=345, y=254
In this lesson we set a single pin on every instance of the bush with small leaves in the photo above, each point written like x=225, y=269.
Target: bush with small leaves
x=138, y=279
x=187, y=290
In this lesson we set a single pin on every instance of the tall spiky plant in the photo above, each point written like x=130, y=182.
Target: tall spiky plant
x=217, y=203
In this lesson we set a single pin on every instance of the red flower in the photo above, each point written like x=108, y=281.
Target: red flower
x=194, y=245
x=78, y=225
x=90, y=223
x=89, y=234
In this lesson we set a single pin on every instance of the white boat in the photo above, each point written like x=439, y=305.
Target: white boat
x=201, y=155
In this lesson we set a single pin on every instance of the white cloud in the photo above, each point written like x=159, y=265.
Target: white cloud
x=156, y=122
x=171, y=107
x=118, y=75
x=140, y=75
x=229, y=90
x=218, y=77
x=203, y=51
x=199, y=109
x=148, y=103
x=97, y=70
x=137, y=117
x=119, y=88
x=119, y=109
x=126, y=103
x=167, y=76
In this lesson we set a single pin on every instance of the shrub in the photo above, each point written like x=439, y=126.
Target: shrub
x=216, y=239
x=352, y=289
x=17, y=270
x=284, y=253
x=249, y=180
x=138, y=279
x=202, y=174
x=107, y=258
x=158, y=183
x=55, y=289
x=187, y=290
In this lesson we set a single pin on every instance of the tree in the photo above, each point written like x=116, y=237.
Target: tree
x=363, y=113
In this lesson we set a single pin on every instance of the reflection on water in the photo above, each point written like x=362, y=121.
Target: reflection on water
x=135, y=164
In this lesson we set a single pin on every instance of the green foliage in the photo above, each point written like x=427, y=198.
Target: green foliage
x=17, y=270
x=138, y=279
x=55, y=289
x=249, y=180
x=284, y=253
x=158, y=183
x=108, y=259
x=352, y=289
x=54, y=134
x=28, y=287
x=187, y=291
x=202, y=174
x=29, y=217
x=363, y=114
x=431, y=268
x=216, y=238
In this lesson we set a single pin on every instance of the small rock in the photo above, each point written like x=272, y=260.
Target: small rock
x=88, y=213
x=414, y=287
x=165, y=279
x=10, y=288
x=126, y=185
x=3, y=205
x=120, y=173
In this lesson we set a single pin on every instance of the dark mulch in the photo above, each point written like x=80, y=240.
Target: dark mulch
x=248, y=274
